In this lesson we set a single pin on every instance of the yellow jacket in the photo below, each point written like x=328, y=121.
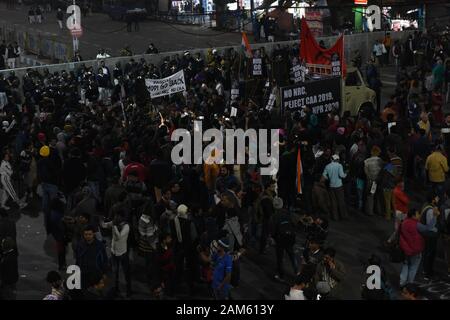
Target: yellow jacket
x=211, y=171
x=437, y=166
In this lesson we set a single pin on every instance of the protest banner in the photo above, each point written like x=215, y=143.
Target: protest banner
x=271, y=102
x=321, y=96
x=312, y=53
x=163, y=87
x=257, y=66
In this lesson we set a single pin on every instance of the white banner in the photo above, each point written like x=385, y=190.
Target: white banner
x=163, y=87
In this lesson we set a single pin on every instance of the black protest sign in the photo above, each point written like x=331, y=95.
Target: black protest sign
x=321, y=96
x=298, y=73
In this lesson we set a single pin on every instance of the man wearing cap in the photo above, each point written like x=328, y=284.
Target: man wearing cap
x=48, y=172
x=334, y=173
x=184, y=234
x=223, y=265
x=372, y=169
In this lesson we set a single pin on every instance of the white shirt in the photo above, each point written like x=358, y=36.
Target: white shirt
x=119, y=241
x=295, y=294
x=379, y=49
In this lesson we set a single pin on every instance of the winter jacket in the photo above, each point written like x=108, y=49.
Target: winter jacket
x=91, y=257
x=437, y=167
x=74, y=172
x=411, y=241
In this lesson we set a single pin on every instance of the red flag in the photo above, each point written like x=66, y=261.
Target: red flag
x=312, y=53
x=246, y=45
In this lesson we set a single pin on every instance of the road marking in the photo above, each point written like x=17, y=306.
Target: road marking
x=389, y=83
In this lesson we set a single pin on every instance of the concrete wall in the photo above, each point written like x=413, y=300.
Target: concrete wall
x=363, y=41
x=42, y=44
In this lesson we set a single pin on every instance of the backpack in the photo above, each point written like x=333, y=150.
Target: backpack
x=423, y=215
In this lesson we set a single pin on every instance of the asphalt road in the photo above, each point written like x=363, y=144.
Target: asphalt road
x=101, y=32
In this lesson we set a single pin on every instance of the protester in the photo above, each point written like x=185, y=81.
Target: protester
x=436, y=166
x=284, y=235
x=334, y=173
x=372, y=168
x=91, y=256
x=59, y=18
x=222, y=266
x=7, y=187
x=430, y=211
x=412, y=244
x=119, y=249
x=379, y=52
x=329, y=275
x=56, y=283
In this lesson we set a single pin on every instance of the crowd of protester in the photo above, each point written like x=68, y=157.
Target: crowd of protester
x=93, y=146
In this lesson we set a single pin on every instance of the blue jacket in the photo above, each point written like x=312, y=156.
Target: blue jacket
x=91, y=257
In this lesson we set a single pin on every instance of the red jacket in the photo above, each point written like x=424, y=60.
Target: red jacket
x=411, y=241
x=401, y=200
